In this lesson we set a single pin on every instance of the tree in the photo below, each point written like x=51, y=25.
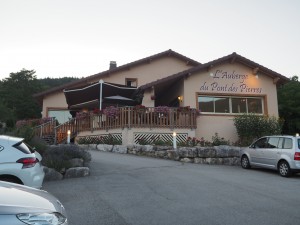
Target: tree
x=289, y=106
x=16, y=93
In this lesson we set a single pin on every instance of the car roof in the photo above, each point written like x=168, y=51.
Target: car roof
x=5, y=139
x=289, y=136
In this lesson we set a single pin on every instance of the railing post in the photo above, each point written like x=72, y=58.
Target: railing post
x=55, y=136
x=129, y=118
x=41, y=133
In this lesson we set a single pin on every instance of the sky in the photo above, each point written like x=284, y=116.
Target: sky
x=78, y=38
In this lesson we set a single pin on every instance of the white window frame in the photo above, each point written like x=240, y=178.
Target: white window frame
x=230, y=104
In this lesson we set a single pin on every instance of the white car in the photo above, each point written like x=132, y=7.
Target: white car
x=20, y=205
x=19, y=163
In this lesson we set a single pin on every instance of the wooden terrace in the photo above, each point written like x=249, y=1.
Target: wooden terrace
x=125, y=117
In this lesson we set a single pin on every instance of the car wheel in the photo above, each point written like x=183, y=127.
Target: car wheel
x=11, y=180
x=245, y=162
x=284, y=169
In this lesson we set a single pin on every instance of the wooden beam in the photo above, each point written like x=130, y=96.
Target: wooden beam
x=233, y=59
x=186, y=76
x=255, y=70
x=275, y=80
x=210, y=67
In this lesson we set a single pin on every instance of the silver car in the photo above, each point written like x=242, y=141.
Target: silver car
x=280, y=153
x=20, y=205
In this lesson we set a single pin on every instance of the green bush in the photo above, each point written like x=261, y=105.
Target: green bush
x=107, y=139
x=25, y=132
x=57, y=157
x=216, y=140
x=162, y=142
x=251, y=126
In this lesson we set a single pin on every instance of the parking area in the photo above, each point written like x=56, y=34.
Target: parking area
x=127, y=189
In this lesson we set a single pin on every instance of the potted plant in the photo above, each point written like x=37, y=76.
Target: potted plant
x=111, y=112
x=140, y=109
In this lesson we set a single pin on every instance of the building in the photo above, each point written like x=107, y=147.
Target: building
x=220, y=89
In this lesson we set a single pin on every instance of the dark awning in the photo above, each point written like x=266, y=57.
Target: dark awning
x=86, y=96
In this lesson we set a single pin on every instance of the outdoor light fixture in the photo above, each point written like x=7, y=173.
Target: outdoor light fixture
x=297, y=134
x=174, y=140
x=180, y=98
x=69, y=134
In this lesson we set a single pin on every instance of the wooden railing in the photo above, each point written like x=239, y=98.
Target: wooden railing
x=128, y=117
x=45, y=128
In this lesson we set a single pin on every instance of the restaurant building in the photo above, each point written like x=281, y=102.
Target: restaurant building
x=220, y=90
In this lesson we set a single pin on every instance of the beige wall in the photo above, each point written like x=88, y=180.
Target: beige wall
x=217, y=81
x=145, y=73
x=147, y=101
x=54, y=101
x=148, y=72
x=128, y=134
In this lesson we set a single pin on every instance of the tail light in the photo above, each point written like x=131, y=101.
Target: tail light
x=28, y=162
x=297, y=156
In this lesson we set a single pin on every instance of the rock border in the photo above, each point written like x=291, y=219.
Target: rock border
x=215, y=155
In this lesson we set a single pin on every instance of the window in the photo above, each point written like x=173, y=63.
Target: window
x=131, y=82
x=228, y=104
x=288, y=143
x=214, y=104
x=273, y=142
x=261, y=143
x=61, y=116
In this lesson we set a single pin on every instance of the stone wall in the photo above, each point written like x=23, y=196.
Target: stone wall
x=220, y=155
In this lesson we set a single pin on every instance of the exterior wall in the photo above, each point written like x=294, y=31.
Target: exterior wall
x=128, y=134
x=145, y=73
x=147, y=101
x=54, y=101
x=218, y=81
x=148, y=72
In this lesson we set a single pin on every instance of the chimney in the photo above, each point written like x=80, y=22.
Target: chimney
x=112, y=65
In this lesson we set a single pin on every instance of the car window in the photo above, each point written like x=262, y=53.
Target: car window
x=261, y=143
x=280, y=143
x=288, y=143
x=298, y=143
x=273, y=142
x=23, y=147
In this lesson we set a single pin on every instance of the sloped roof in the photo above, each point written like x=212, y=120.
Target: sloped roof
x=88, y=79
x=232, y=58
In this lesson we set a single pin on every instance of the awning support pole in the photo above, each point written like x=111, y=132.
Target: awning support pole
x=100, y=99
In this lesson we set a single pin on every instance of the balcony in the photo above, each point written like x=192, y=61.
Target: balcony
x=129, y=118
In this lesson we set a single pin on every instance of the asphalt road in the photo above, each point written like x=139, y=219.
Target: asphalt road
x=127, y=189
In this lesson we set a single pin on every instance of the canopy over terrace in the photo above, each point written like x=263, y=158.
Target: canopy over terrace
x=88, y=97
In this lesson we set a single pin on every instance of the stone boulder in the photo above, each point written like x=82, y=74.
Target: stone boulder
x=76, y=162
x=187, y=152
x=173, y=154
x=206, y=152
x=104, y=148
x=52, y=174
x=119, y=149
x=187, y=160
x=77, y=172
